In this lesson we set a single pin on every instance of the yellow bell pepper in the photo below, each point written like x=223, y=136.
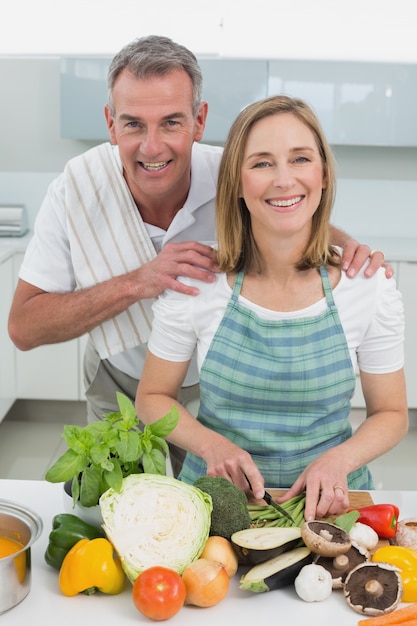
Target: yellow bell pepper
x=91, y=566
x=406, y=561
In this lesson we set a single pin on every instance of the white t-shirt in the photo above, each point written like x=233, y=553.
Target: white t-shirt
x=370, y=310
x=47, y=263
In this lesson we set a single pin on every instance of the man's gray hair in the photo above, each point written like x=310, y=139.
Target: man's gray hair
x=151, y=56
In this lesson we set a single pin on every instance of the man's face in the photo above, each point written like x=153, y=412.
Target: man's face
x=154, y=127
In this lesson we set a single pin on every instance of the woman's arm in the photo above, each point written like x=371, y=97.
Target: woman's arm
x=158, y=391
x=385, y=426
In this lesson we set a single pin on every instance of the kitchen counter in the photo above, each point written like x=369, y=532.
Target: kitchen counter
x=12, y=245
x=46, y=606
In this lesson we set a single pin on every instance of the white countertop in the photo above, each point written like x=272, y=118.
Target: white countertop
x=46, y=606
x=13, y=245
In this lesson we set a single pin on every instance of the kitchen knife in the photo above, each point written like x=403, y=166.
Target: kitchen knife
x=269, y=500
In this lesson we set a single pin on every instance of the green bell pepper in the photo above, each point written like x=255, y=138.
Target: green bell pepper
x=66, y=531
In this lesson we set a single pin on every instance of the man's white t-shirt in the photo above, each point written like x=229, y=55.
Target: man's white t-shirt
x=47, y=262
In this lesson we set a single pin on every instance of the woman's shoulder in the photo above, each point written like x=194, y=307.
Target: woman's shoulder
x=207, y=290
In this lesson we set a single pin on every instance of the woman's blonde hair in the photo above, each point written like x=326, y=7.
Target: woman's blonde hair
x=237, y=249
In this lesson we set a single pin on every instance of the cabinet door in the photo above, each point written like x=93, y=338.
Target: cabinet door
x=408, y=287
x=48, y=372
x=7, y=358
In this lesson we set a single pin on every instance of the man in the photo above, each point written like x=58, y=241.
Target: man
x=122, y=221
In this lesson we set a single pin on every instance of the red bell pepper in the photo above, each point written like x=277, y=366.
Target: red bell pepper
x=383, y=518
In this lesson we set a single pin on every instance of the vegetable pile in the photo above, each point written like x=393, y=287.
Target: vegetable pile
x=181, y=544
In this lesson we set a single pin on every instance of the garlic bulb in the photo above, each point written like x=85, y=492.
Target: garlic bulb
x=313, y=583
x=364, y=536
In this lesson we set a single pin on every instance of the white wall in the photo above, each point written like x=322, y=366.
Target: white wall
x=377, y=186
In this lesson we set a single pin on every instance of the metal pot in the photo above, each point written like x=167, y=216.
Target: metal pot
x=23, y=525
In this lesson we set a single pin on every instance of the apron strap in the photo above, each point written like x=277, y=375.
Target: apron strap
x=237, y=286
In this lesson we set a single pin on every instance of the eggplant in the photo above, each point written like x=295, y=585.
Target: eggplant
x=256, y=545
x=276, y=573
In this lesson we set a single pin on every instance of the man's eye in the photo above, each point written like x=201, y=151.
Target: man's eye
x=172, y=123
x=133, y=124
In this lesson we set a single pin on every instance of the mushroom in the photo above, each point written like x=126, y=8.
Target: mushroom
x=325, y=538
x=373, y=588
x=406, y=534
x=340, y=566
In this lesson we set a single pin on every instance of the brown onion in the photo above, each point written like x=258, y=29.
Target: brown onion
x=206, y=582
x=221, y=550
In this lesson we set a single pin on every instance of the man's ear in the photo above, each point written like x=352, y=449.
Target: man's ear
x=200, y=121
x=110, y=124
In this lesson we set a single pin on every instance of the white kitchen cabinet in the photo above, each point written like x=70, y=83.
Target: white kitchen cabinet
x=7, y=357
x=48, y=372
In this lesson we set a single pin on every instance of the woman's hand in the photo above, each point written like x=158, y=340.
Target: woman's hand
x=325, y=483
x=226, y=459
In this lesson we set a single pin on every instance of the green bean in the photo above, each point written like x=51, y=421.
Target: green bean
x=267, y=515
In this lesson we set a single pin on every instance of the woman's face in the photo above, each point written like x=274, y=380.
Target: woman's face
x=282, y=175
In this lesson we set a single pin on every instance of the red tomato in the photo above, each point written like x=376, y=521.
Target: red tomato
x=159, y=593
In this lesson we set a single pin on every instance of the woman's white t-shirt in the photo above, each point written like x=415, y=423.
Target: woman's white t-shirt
x=370, y=310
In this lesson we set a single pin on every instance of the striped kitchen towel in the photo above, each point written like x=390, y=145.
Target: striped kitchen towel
x=107, y=238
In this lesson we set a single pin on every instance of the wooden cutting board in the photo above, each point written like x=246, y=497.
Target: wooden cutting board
x=356, y=498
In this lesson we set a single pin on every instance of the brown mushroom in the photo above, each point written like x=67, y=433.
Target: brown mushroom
x=373, y=588
x=325, y=538
x=340, y=566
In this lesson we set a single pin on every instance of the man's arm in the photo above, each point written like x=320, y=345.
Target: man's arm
x=355, y=255
x=38, y=317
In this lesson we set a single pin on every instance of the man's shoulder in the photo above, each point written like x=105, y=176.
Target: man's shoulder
x=208, y=152
x=92, y=153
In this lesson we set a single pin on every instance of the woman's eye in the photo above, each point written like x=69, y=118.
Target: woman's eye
x=301, y=159
x=262, y=164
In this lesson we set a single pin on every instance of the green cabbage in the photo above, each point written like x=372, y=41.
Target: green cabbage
x=156, y=520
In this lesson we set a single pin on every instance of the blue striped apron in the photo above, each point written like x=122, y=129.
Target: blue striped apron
x=280, y=389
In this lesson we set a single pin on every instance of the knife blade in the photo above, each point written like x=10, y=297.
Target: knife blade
x=269, y=500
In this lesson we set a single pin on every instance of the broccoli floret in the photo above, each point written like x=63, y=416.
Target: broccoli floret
x=230, y=506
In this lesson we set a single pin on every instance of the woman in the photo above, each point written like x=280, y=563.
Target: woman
x=281, y=331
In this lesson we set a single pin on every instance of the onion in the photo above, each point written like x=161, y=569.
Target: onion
x=221, y=550
x=206, y=582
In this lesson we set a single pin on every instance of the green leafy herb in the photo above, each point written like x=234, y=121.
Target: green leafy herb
x=347, y=520
x=102, y=453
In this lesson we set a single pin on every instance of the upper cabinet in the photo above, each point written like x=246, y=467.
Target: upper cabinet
x=83, y=93
x=362, y=104
x=228, y=87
